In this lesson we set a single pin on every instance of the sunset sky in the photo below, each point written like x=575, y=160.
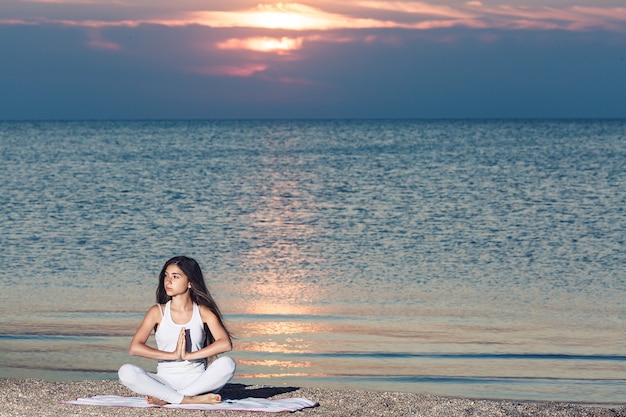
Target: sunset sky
x=190, y=59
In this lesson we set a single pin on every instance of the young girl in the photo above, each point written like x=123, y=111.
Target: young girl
x=183, y=304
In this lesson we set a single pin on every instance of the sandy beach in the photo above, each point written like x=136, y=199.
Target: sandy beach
x=34, y=397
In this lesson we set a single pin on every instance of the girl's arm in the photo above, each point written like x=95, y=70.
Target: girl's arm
x=138, y=345
x=221, y=344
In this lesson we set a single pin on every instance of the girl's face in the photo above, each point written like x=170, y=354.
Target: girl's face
x=175, y=281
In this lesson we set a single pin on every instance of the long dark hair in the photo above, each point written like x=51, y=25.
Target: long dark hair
x=198, y=292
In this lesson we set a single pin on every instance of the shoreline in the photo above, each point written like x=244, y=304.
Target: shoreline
x=36, y=397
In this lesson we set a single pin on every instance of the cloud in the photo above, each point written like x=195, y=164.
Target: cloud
x=571, y=18
x=280, y=45
x=286, y=44
x=288, y=16
x=96, y=41
x=360, y=14
x=417, y=8
x=18, y=22
x=245, y=70
x=295, y=81
x=76, y=2
x=235, y=39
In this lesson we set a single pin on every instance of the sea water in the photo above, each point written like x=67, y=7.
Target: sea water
x=467, y=258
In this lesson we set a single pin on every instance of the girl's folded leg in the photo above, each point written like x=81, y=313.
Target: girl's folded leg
x=213, y=379
x=147, y=383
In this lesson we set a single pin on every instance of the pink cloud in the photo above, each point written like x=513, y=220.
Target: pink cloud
x=331, y=38
x=288, y=16
x=489, y=37
x=96, y=41
x=295, y=81
x=417, y=8
x=282, y=45
x=77, y=2
x=361, y=14
x=245, y=70
x=99, y=44
x=20, y=22
x=572, y=18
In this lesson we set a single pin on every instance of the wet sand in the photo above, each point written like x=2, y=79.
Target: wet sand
x=34, y=397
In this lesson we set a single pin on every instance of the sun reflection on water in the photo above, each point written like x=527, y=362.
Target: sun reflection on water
x=275, y=347
x=276, y=363
x=277, y=264
x=281, y=328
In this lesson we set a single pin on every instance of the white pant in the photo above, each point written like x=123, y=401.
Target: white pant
x=216, y=375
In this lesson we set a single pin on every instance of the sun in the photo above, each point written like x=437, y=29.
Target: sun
x=288, y=16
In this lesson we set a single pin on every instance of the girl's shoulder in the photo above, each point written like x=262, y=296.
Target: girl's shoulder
x=154, y=316
x=205, y=312
x=157, y=311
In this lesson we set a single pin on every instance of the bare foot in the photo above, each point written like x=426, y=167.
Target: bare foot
x=155, y=401
x=203, y=399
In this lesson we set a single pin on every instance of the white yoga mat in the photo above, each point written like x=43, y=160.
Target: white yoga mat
x=246, y=404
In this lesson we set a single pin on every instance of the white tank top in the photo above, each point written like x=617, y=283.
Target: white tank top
x=167, y=333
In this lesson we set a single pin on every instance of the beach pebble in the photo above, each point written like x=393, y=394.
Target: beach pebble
x=33, y=397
